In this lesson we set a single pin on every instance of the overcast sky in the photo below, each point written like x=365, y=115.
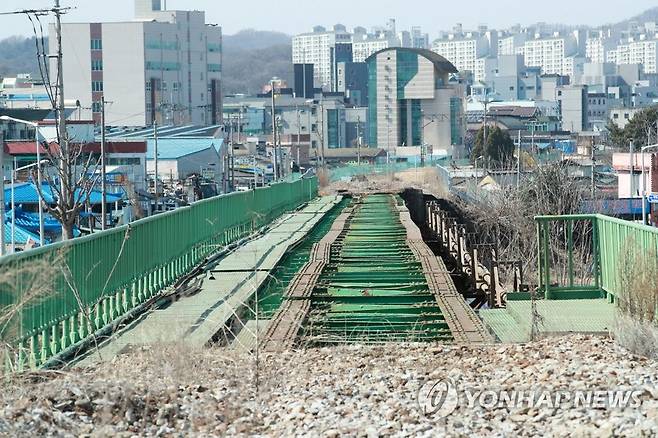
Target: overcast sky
x=295, y=16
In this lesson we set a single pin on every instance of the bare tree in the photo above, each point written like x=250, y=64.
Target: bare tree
x=71, y=179
x=72, y=176
x=506, y=216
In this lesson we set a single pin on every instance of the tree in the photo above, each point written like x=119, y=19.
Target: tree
x=496, y=150
x=641, y=129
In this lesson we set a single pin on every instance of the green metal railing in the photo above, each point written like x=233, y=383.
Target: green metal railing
x=95, y=280
x=608, y=241
x=352, y=170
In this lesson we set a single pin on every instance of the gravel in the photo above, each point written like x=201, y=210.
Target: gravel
x=352, y=390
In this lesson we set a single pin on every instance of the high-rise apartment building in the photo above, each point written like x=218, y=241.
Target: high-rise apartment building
x=165, y=67
x=319, y=48
x=644, y=52
x=464, y=49
x=551, y=54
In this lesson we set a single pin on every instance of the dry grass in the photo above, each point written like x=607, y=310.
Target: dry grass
x=635, y=325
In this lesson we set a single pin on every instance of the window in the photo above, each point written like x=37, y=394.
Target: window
x=164, y=86
x=176, y=86
x=148, y=86
x=615, y=116
x=96, y=65
x=96, y=86
x=626, y=116
x=96, y=44
x=96, y=107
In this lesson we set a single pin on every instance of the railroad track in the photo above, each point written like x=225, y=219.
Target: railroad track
x=372, y=279
x=464, y=324
x=284, y=327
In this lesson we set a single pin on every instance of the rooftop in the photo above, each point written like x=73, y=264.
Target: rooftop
x=174, y=148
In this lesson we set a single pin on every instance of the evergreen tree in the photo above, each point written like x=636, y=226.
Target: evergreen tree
x=498, y=148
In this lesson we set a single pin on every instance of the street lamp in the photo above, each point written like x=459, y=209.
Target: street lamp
x=39, y=178
x=644, y=183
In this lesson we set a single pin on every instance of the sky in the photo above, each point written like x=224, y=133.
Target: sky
x=296, y=16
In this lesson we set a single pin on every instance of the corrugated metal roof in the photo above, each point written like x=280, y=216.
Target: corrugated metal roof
x=21, y=235
x=164, y=131
x=26, y=193
x=174, y=148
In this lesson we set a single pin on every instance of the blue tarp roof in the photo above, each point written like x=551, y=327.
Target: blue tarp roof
x=174, y=148
x=30, y=221
x=26, y=193
x=615, y=207
x=21, y=235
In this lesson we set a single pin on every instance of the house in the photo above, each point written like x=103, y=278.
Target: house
x=179, y=158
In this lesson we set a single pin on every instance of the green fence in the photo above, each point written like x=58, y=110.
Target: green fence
x=76, y=288
x=606, y=242
x=352, y=170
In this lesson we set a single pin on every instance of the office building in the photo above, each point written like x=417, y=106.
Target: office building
x=165, y=67
x=303, y=80
x=352, y=81
x=319, y=48
x=411, y=101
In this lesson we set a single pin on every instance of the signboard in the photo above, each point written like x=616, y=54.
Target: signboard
x=653, y=198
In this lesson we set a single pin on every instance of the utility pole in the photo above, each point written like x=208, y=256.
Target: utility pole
x=322, y=130
x=229, y=159
x=593, y=186
x=276, y=160
x=155, y=162
x=358, y=140
x=103, y=168
x=299, y=129
x=518, y=164
x=632, y=169
x=65, y=164
x=2, y=193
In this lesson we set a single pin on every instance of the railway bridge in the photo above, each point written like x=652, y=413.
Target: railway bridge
x=282, y=267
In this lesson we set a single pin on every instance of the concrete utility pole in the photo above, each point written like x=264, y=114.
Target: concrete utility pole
x=593, y=186
x=518, y=164
x=103, y=168
x=631, y=169
x=2, y=193
x=65, y=165
x=276, y=161
x=155, y=162
x=358, y=140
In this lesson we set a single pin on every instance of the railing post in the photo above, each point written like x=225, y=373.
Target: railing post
x=595, y=254
x=570, y=251
x=547, y=264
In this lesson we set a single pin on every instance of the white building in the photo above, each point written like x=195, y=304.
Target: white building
x=597, y=49
x=463, y=50
x=642, y=51
x=551, y=54
x=318, y=48
x=366, y=47
x=512, y=44
x=164, y=66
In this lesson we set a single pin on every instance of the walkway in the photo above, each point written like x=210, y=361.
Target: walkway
x=226, y=290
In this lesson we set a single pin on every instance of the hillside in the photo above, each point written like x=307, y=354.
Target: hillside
x=251, y=58
x=18, y=55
